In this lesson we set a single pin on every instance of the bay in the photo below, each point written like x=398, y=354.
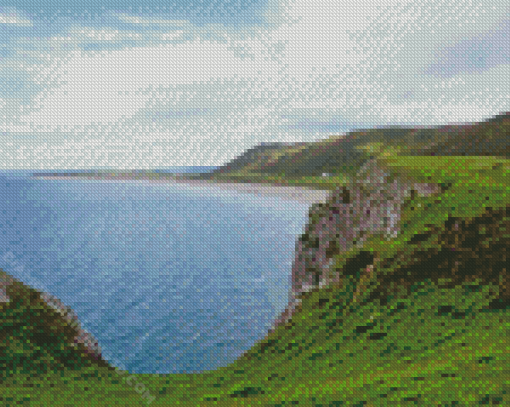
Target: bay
x=169, y=279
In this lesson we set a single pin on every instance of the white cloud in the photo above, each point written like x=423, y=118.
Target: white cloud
x=171, y=35
x=107, y=88
x=151, y=21
x=349, y=60
x=108, y=34
x=14, y=20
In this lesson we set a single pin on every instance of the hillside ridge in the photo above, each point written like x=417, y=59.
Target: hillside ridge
x=342, y=153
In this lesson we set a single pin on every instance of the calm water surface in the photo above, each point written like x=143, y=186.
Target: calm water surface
x=169, y=279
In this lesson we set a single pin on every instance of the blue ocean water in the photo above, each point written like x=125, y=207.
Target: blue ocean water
x=168, y=278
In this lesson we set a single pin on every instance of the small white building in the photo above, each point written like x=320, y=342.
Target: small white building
x=327, y=174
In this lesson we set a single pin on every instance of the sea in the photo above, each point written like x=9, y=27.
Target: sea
x=168, y=278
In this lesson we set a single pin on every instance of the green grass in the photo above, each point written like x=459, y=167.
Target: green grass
x=442, y=358
x=434, y=341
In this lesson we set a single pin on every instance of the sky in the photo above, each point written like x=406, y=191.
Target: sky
x=88, y=84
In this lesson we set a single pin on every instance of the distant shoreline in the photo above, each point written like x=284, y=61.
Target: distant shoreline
x=292, y=193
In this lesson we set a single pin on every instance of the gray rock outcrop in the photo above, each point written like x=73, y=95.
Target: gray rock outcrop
x=370, y=204
x=5, y=281
x=82, y=336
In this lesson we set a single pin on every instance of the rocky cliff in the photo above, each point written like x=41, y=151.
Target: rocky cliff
x=372, y=204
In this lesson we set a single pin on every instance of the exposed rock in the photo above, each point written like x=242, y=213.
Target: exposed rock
x=370, y=204
x=91, y=345
x=3, y=295
x=89, y=342
x=5, y=281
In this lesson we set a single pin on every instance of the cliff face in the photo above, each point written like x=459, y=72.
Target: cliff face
x=50, y=316
x=82, y=336
x=370, y=204
x=460, y=249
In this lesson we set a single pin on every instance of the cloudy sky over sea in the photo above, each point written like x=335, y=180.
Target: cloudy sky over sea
x=196, y=82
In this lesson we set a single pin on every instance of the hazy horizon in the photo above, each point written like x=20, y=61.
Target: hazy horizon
x=183, y=169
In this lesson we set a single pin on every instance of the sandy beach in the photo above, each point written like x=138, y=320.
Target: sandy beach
x=291, y=193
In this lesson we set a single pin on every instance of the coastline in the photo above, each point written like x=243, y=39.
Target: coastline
x=290, y=193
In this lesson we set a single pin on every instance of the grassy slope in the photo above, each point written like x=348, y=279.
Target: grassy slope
x=433, y=343
x=341, y=154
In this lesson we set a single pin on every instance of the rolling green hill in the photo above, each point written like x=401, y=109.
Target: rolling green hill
x=420, y=318
x=340, y=154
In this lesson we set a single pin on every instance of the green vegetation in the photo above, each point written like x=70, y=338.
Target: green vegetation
x=343, y=155
x=430, y=326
